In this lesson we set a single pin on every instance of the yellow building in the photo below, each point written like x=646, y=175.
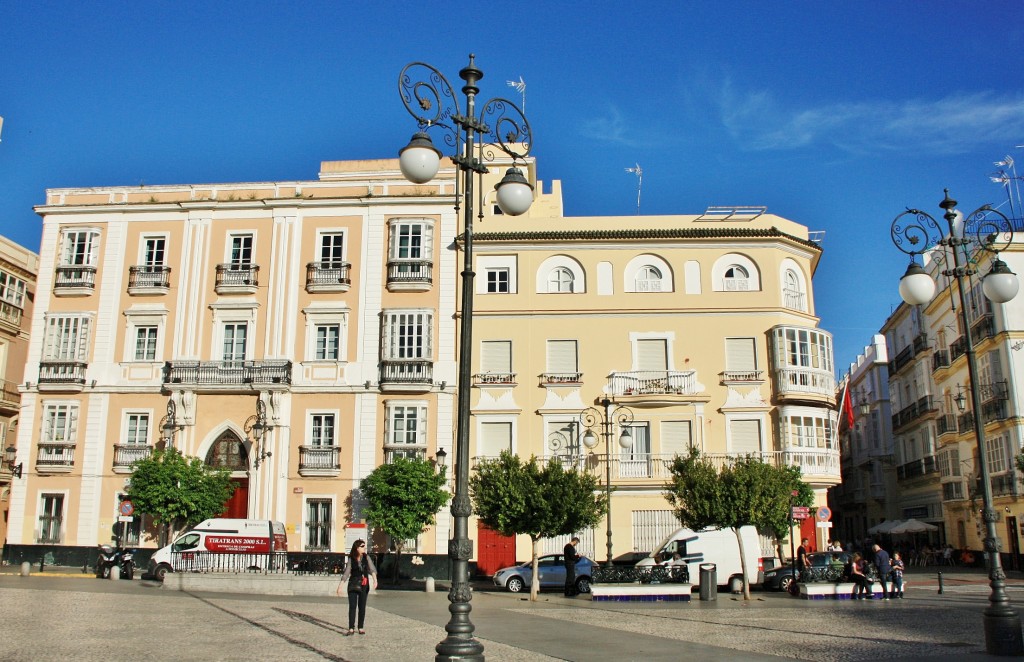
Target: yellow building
x=167, y=313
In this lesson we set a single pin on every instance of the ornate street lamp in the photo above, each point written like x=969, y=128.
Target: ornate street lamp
x=985, y=230
x=256, y=427
x=11, y=454
x=474, y=137
x=606, y=419
x=169, y=425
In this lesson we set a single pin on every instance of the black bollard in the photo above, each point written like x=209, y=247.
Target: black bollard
x=42, y=561
x=940, y=583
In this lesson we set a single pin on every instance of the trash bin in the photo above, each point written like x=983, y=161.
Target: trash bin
x=708, y=581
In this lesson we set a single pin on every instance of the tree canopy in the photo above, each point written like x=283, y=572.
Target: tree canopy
x=178, y=491
x=514, y=497
x=746, y=491
x=403, y=497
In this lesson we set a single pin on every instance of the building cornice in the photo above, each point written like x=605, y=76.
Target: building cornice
x=645, y=234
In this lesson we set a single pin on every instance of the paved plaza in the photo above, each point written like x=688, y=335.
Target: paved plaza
x=64, y=615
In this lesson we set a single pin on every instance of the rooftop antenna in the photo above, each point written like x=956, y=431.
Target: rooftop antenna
x=1, y=124
x=520, y=86
x=639, y=172
x=1011, y=182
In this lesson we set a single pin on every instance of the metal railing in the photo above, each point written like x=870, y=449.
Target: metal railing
x=75, y=276
x=62, y=372
x=149, y=276
x=125, y=455
x=984, y=327
x=273, y=371
x=410, y=271
x=265, y=563
x=913, y=412
x=391, y=453
x=327, y=273
x=742, y=375
x=406, y=372
x=965, y=422
x=55, y=454
x=237, y=275
x=957, y=349
x=916, y=468
x=794, y=299
x=561, y=377
x=494, y=378
x=326, y=458
x=654, y=382
x=946, y=424
x=652, y=574
x=1005, y=484
x=940, y=359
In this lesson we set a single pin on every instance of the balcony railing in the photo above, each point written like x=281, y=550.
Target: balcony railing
x=76, y=279
x=410, y=275
x=940, y=359
x=737, y=284
x=953, y=491
x=920, y=343
x=406, y=372
x=411, y=452
x=10, y=314
x=984, y=327
x=228, y=373
x=143, y=278
x=237, y=278
x=743, y=376
x=507, y=378
x=946, y=424
x=794, y=299
x=799, y=381
x=917, y=468
x=561, y=378
x=319, y=459
x=1005, y=484
x=957, y=349
x=901, y=359
x=655, y=382
x=913, y=412
x=55, y=455
x=965, y=422
x=125, y=455
x=328, y=277
x=62, y=372
x=994, y=410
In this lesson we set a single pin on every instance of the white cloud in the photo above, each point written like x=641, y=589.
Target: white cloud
x=612, y=127
x=952, y=124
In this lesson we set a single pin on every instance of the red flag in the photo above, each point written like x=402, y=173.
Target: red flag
x=846, y=410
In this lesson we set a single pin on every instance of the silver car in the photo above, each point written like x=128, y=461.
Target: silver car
x=552, y=574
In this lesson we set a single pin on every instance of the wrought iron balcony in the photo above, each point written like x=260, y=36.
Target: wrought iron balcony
x=228, y=373
x=148, y=279
x=237, y=279
x=953, y=491
x=62, y=373
x=55, y=456
x=940, y=359
x=410, y=275
x=655, y=382
x=319, y=460
x=74, y=280
x=910, y=414
x=495, y=378
x=125, y=455
x=957, y=349
x=328, y=277
x=1005, y=484
x=965, y=422
x=984, y=327
x=947, y=424
x=917, y=468
x=805, y=381
x=403, y=375
x=10, y=315
x=555, y=378
x=742, y=376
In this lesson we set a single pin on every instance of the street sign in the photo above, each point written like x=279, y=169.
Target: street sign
x=801, y=512
x=801, y=515
x=823, y=525
x=823, y=514
x=126, y=508
x=125, y=518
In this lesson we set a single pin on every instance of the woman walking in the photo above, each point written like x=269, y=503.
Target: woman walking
x=359, y=573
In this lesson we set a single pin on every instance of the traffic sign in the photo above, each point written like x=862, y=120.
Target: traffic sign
x=823, y=514
x=125, y=518
x=823, y=525
x=127, y=508
x=801, y=512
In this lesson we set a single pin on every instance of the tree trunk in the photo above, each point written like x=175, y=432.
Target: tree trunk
x=398, y=555
x=743, y=562
x=535, y=582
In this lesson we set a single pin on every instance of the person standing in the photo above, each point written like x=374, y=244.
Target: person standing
x=569, y=558
x=861, y=584
x=897, y=576
x=801, y=556
x=359, y=573
x=884, y=568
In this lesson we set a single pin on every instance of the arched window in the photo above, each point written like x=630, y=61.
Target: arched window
x=793, y=296
x=228, y=452
x=736, y=279
x=560, y=280
x=648, y=279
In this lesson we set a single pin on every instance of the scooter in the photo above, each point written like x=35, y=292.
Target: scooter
x=110, y=557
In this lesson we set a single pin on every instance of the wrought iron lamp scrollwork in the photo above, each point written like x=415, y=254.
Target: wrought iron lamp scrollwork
x=256, y=428
x=11, y=454
x=169, y=425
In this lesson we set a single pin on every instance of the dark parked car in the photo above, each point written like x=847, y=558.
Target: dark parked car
x=779, y=579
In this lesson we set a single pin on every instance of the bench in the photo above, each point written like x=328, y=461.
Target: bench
x=644, y=584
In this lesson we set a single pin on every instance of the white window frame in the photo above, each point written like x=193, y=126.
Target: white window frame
x=331, y=262
x=12, y=289
x=392, y=348
x=669, y=339
x=326, y=441
x=144, y=251
x=796, y=290
x=484, y=423
x=71, y=237
x=332, y=315
x=729, y=261
x=418, y=444
x=144, y=316
x=126, y=432
x=233, y=313
x=48, y=430
x=242, y=261
x=763, y=431
x=147, y=340
x=486, y=264
x=547, y=268
x=61, y=528
x=426, y=248
x=307, y=522
x=57, y=346
x=635, y=268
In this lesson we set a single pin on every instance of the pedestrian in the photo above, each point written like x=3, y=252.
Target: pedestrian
x=359, y=575
x=835, y=546
x=569, y=558
x=801, y=556
x=861, y=584
x=897, y=575
x=884, y=569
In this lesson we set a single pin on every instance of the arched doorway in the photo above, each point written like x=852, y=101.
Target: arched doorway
x=229, y=452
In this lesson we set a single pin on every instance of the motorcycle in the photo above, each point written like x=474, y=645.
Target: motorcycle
x=110, y=557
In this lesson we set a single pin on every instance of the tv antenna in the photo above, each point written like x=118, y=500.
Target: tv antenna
x=639, y=172
x=520, y=86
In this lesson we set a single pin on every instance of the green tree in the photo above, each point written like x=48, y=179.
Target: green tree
x=402, y=498
x=744, y=492
x=178, y=491
x=515, y=497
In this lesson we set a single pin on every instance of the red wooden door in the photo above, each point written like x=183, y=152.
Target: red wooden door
x=238, y=505
x=494, y=551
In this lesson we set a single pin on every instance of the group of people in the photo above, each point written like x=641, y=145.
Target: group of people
x=890, y=574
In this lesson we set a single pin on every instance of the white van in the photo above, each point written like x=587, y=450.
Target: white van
x=716, y=546
x=250, y=543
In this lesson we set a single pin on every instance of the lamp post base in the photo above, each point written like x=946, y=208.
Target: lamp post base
x=1003, y=634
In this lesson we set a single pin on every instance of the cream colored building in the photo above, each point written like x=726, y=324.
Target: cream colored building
x=333, y=303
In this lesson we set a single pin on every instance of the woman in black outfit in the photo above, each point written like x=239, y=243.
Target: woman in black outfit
x=359, y=572
x=858, y=575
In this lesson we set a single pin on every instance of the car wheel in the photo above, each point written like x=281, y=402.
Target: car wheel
x=785, y=582
x=735, y=584
x=583, y=585
x=161, y=572
x=514, y=584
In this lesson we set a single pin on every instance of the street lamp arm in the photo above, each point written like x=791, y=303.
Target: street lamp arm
x=505, y=127
x=429, y=98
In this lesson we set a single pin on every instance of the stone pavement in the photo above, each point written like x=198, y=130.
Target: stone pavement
x=47, y=617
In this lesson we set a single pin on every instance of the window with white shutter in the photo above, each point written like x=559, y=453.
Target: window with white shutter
x=562, y=360
x=652, y=354
x=496, y=356
x=740, y=355
x=494, y=438
x=745, y=436
x=676, y=437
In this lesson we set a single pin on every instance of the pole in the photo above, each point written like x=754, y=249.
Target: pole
x=792, y=548
x=606, y=403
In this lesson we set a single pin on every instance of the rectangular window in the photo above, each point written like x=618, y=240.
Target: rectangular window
x=138, y=429
x=12, y=290
x=995, y=454
x=241, y=251
x=652, y=354
x=562, y=357
x=318, y=525
x=676, y=438
x=321, y=431
x=497, y=281
x=327, y=342
x=494, y=438
x=408, y=335
x=740, y=355
x=234, y=342
x=154, y=251
x=496, y=357
x=745, y=436
x=60, y=423
x=805, y=348
x=635, y=461
x=145, y=343
x=81, y=248
x=405, y=426
x=407, y=241
x=67, y=338
x=331, y=250
x=51, y=518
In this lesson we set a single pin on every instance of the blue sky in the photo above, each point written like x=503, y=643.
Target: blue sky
x=837, y=115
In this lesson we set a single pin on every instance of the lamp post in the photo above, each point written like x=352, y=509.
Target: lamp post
x=169, y=424
x=256, y=426
x=474, y=138
x=11, y=454
x=607, y=418
x=985, y=230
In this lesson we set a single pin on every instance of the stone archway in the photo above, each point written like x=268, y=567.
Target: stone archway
x=230, y=452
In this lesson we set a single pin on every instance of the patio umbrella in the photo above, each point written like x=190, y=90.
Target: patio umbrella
x=884, y=527
x=913, y=526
